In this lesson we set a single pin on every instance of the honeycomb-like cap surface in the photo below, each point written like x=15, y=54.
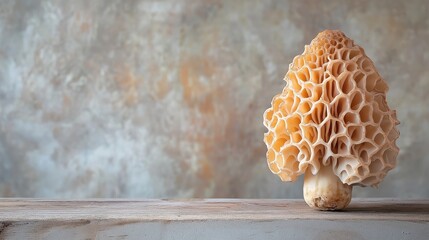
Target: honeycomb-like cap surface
x=333, y=111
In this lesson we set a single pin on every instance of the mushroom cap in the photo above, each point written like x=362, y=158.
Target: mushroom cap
x=332, y=111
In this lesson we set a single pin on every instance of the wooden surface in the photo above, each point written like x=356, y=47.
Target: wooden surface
x=211, y=219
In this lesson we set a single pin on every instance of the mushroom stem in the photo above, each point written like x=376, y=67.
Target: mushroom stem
x=325, y=191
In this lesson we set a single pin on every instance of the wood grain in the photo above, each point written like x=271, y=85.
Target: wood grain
x=199, y=219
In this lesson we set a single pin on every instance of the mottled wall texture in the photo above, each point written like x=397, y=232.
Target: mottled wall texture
x=165, y=98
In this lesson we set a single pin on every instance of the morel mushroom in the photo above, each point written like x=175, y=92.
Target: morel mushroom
x=331, y=123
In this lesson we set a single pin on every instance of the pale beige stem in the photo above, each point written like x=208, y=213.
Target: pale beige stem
x=325, y=191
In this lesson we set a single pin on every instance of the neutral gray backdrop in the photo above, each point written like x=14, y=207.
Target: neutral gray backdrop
x=165, y=98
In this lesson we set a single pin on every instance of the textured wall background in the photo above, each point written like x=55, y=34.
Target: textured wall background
x=165, y=99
